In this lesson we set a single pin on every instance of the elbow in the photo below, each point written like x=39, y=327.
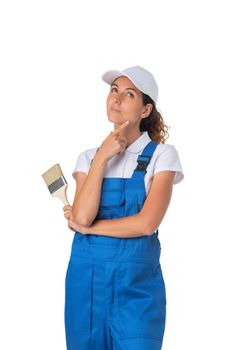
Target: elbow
x=81, y=220
x=144, y=227
x=84, y=222
x=149, y=230
x=79, y=215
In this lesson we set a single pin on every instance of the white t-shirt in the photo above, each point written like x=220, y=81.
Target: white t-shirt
x=165, y=157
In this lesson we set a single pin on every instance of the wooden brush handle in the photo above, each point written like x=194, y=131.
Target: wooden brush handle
x=61, y=193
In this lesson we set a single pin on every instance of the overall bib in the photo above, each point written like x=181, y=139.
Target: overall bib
x=115, y=297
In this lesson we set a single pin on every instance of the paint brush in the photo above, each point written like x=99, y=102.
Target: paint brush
x=56, y=183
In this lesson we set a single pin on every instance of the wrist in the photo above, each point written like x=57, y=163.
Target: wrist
x=99, y=160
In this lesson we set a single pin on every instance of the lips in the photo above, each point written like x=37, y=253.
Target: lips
x=115, y=110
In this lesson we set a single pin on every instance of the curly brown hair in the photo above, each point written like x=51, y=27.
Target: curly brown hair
x=154, y=124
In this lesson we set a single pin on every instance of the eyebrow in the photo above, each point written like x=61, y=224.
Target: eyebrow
x=126, y=88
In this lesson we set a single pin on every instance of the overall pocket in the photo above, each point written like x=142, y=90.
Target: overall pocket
x=142, y=308
x=112, y=204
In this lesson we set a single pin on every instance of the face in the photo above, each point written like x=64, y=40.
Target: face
x=125, y=102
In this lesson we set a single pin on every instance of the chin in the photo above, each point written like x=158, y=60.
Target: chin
x=115, y=120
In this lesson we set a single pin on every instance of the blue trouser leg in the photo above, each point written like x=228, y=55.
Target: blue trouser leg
x=85, y=321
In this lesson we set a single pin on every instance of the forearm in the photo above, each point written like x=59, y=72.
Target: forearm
x=127, y=227
x=86, y=202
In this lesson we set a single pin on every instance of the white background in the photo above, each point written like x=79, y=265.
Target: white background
x=53, y=107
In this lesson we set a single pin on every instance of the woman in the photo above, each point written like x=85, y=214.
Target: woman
x=115, y=291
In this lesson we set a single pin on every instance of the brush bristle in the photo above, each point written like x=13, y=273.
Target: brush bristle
x=54, y=178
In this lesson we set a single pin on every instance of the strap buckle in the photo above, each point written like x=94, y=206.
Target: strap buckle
x=142, y=164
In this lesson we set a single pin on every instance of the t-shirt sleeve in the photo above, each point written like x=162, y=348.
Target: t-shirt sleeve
x=168, y=159
x=82, y=164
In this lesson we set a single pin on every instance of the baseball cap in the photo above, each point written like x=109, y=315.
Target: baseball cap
x=139, y=76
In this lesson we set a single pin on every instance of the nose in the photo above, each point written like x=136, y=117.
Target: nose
x=117, y=98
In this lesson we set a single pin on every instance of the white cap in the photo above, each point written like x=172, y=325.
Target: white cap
x=139, y=76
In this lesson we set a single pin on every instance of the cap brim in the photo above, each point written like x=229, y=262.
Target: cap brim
x=111, y=75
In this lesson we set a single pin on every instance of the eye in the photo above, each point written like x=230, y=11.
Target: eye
x=130, y=94
x=113, y=89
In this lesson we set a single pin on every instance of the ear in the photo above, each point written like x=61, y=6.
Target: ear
x=147, y=110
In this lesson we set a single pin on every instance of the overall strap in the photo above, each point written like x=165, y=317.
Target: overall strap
x=144, y=159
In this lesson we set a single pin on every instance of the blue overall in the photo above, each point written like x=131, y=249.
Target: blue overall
x=115, y=296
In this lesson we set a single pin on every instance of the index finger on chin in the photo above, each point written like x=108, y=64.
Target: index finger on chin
x=122, y=127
